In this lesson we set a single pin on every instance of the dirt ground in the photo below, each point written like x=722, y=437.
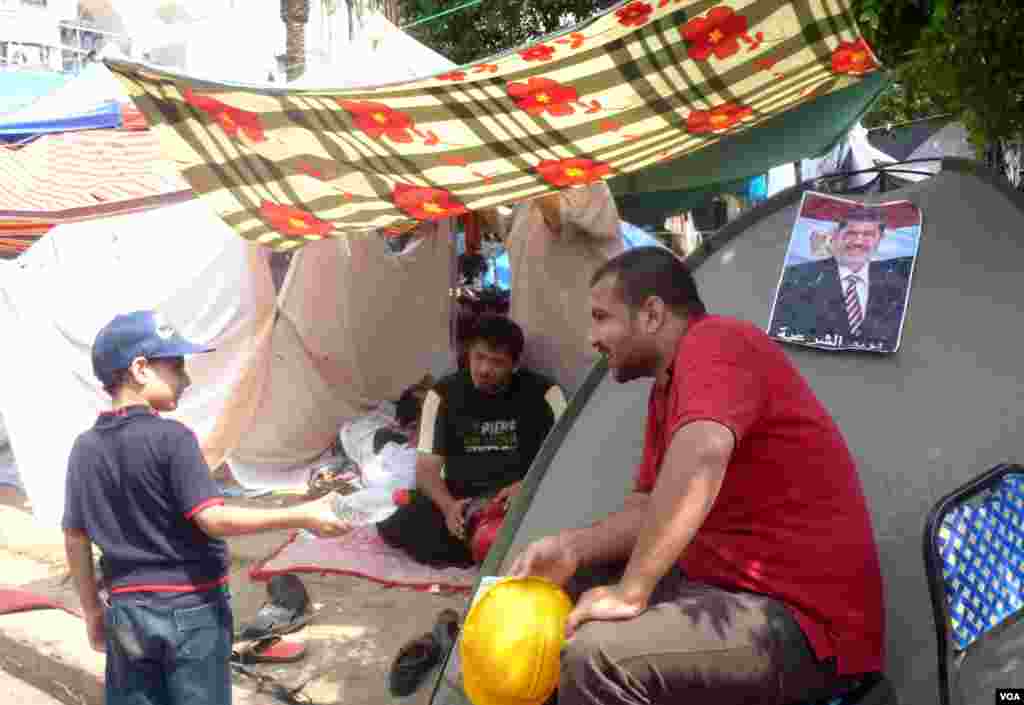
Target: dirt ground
x=358, y=628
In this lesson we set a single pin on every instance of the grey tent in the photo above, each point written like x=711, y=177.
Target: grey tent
x=925, y=139
x=932, y=416
x=921, y=141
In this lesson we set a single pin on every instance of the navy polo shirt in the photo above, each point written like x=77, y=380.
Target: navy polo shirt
x=135, y=481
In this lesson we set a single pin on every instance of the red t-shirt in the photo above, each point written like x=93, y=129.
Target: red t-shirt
x=790, y=521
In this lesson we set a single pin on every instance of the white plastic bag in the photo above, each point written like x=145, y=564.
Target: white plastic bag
x=366, y=506
x=357, y=435
x=393, y=468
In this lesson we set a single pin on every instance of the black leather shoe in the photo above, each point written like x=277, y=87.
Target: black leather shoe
x=446, y=630
x=414, y=661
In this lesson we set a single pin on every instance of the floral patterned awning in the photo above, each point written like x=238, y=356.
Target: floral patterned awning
x=645, y=82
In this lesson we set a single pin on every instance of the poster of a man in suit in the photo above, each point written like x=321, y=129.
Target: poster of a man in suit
x=846, y=280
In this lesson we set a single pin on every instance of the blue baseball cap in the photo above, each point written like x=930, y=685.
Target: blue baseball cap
x=145, y=334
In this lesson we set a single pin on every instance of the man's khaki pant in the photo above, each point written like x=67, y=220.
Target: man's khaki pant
x=696, y=645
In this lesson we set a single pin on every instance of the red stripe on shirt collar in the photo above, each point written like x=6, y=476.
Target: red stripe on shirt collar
x=130, y=411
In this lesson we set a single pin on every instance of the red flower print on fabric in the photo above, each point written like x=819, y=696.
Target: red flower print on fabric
x=635, y=14
x=716, y=33
x=294, y=222
x=543, y=95
x=540, y=52
x=718, y=119
x=452, y=76
x=234, y=121
x=572, y=172
x=854, y=58
x=425, y=203
x=378, y=120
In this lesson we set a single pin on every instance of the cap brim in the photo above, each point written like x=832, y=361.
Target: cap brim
x=176, y=346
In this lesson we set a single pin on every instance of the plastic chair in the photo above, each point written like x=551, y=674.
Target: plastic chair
x=974, y=559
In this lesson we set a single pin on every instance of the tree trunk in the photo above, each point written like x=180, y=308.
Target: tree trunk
x=393, y=12
x=1007, y=158
x=390, y=10
x=295, y=15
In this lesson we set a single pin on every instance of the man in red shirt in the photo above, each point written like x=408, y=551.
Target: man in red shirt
x=750, y=571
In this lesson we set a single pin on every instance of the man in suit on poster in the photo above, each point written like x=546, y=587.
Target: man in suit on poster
x=848, y=295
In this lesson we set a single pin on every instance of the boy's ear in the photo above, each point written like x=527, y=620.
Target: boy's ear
x=137, y=370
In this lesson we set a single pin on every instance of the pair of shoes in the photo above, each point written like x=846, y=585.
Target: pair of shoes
x=417, y=658
x=284, y=614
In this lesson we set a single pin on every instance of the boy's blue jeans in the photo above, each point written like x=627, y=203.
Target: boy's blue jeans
x=169, y=651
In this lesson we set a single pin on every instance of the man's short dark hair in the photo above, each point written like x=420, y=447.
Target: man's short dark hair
x=499, y=332
x=408, y=408
x=472, y=266
x=644, y=272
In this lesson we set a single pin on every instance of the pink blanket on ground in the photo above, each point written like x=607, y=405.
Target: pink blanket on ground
x=13, y=599
x=362, y=553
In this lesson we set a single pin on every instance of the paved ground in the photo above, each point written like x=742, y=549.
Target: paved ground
x=16, y=692
x=351, y=644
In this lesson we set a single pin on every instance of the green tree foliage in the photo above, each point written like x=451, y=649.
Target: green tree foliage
x=492, y=26
x=961, y=57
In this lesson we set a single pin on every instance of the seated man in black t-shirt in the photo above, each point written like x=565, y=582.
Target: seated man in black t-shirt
x=482, y=426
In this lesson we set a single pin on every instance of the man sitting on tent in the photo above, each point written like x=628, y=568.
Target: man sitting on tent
x=482, y=426
x=750, y=568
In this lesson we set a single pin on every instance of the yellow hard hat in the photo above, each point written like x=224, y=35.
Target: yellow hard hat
x=511, y=642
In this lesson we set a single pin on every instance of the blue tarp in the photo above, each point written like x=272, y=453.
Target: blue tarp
x=89, y=101
x=104, y=115
x=19, y=89
x=637, y=237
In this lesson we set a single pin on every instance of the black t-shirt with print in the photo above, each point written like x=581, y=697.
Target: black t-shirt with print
x=488, y=441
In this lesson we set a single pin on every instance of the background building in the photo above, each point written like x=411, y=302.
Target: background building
x=184, y=35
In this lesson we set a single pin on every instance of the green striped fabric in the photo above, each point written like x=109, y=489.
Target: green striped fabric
x=647, y=82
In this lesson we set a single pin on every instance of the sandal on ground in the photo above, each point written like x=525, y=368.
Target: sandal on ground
x=414, y=661
x=284, y=614
x=272, y=650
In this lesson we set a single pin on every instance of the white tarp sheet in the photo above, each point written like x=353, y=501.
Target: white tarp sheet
x=53, y=299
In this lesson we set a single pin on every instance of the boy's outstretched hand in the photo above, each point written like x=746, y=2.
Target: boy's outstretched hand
x=319, y=518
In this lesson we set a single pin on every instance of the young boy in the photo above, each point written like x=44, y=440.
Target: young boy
x=139, y=488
